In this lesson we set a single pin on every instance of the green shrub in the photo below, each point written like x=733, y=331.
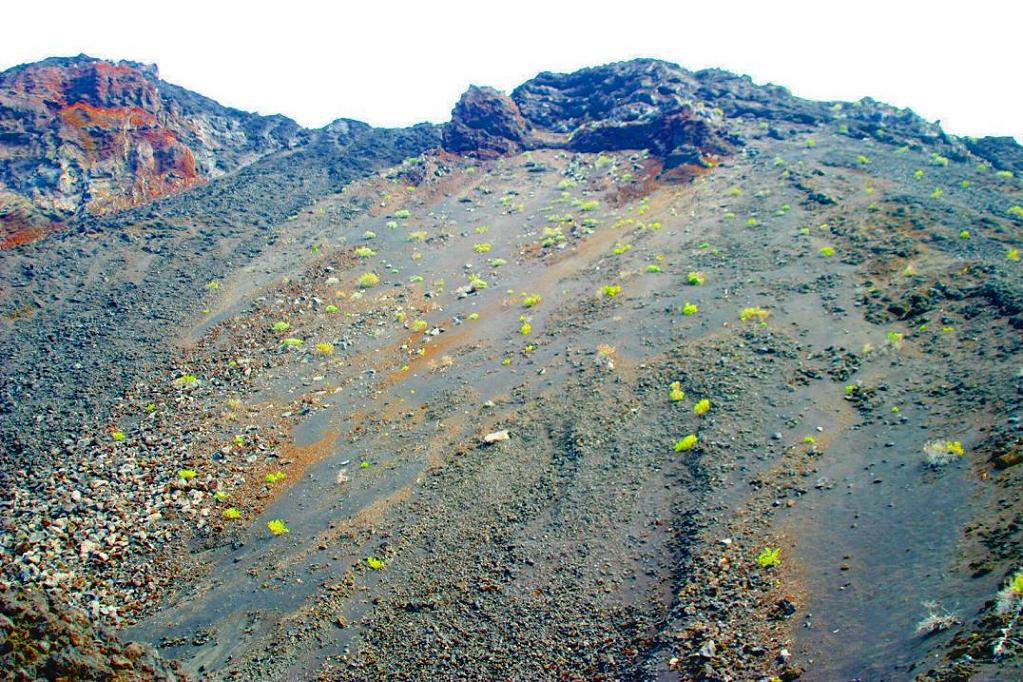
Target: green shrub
x=367, y=280
x=277, y=527
x=754, y=313
x=686, y=443
x=769, y=557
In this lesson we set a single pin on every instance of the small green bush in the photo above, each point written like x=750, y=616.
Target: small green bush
x=686, y=443
x=277, y=527
x=769, y=557
x=368, y=280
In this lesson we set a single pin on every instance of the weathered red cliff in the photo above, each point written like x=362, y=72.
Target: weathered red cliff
x=86, y=135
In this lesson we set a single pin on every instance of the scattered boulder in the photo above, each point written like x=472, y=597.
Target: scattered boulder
x=496, y=437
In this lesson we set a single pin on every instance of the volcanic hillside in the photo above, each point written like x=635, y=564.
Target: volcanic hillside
x=634, y=373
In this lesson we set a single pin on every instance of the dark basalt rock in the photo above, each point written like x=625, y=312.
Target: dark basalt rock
x=642, y=104
x=1002, y=152
x=487, y=122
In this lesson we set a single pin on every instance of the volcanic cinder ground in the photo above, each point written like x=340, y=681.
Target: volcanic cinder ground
x=532, y=397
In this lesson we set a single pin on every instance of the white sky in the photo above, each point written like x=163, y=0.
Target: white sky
x=396, y=63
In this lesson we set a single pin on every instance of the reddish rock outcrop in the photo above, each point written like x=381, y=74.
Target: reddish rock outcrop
x=85, y=135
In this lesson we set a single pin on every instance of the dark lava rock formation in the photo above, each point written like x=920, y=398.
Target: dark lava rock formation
x=631, y=105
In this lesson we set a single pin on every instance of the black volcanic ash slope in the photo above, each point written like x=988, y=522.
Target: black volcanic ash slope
x=580, y=264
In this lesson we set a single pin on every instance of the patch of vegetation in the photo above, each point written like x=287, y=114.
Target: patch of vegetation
x=702, y=407
x=213, y=284
x=482, y=247
x=292, y=342
x=1016, y=211
x=653, y=268
x=419, y=326
x=769, y=557
x=186, y=380
x=275, y=477
x=374, y=563
x=277, y=527
x=937, y=619
x=325, y=347
x=1012, y=254
x=402, y=214
x=675, y=392
x=531, y=300
x=117, y=435
x=754, y=313
x=497, y=262
x=621, y=248
x=367, y=280
x=281, y=326
x=330, y=308
x=696, y=278
x=690, y=308
x=610, y=290
x=232, y=513
x=937, y=160
x=526, y=329
x=938, y=453
x=937, y=193
x=187, y=474
x=686, y=443
x=827, y=251
x=364, y=252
